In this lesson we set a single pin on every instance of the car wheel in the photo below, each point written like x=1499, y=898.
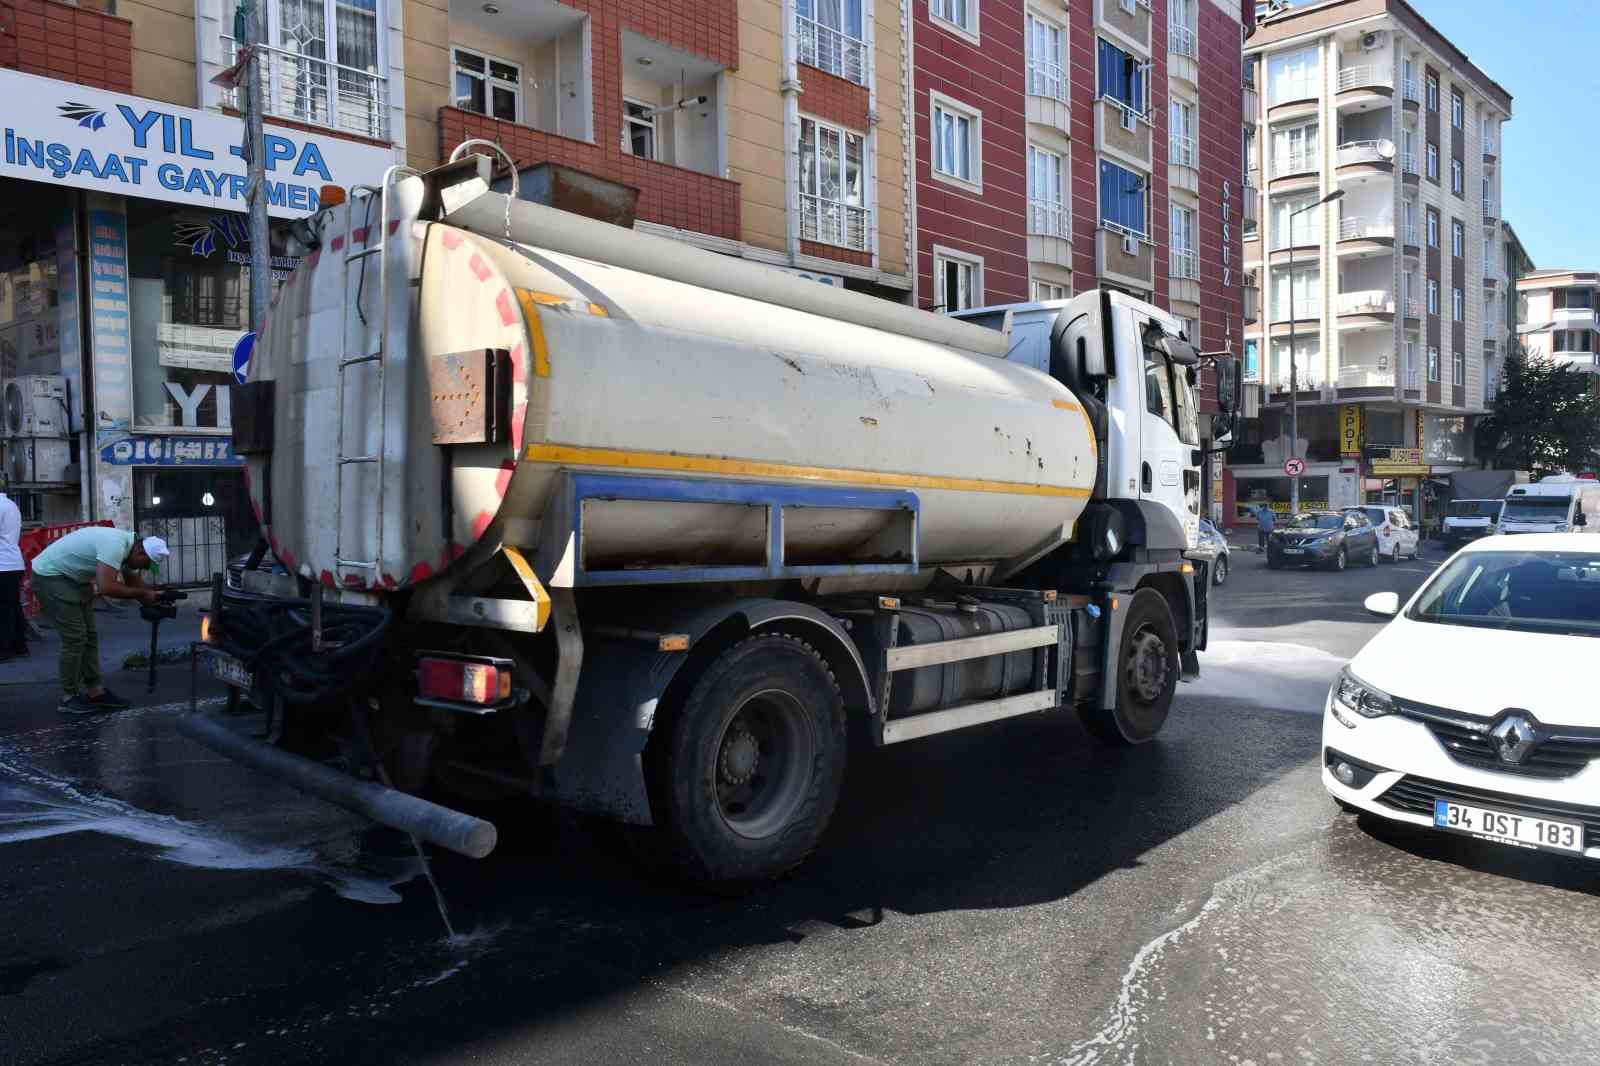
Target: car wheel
x=1373, y=562
x=1348, y=808
x=1147, y=675
x=1342, y=559
x=1219, y=572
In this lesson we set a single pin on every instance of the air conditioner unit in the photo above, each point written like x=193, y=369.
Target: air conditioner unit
x=1130, y=245
x=34, y=461
x=1130, y=119
x=1371, y=42
x=35, y=406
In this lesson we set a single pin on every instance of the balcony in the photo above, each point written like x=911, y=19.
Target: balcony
x=1251, y=200
x=1491, y=148
x=1252, y=104
x=1183, y=55
x=1411, y=240
x=1180, y=151
x=1124, y=256
x=1412, y=308
x=1410, y=169
x=1048, y=218
x=1047, y=79
x=830, y=222
x=1362, y=159
x=1288, y=165
x=1132, y=20
x=318, y=92
x=1411, y=95
x=1367, y=304
x=1413, y=379
x=1574, y=318
x=1183, y=264
x=829, y=50
x=1365, y=87
x=1124, y=131
x=1491, y=211
x=1583, y=362
x=1356, y=228
x=1378, y=375
x=1180, y=40
x=68, y=43
x=1252, y=301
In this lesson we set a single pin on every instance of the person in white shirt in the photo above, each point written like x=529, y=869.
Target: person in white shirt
x=13, y=630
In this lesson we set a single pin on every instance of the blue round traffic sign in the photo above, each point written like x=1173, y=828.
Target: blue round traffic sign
x=243, y=348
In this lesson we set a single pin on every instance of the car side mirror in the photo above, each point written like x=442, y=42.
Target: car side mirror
x=1383, y=604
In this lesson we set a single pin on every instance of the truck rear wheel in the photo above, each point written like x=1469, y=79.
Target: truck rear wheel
x=1147, y=675
x=746, y=773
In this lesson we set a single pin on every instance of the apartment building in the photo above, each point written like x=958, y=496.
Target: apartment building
x=1377, y=250
x=1557, y=317
x=1065, y=145
x=1504, y=335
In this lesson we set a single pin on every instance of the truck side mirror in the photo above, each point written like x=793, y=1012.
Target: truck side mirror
x=1227, y=371
x=1580, y=519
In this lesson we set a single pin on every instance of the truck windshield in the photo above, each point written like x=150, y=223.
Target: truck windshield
x=1539, y=592
x=1537, y=509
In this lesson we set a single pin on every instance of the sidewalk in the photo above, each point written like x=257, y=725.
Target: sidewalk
x=122, y=632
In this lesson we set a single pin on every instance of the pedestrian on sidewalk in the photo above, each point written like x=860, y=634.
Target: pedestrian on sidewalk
x=13, y=628
x=1264, y=522
x=66, y=577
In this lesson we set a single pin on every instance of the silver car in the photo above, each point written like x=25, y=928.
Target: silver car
x=1213, y=543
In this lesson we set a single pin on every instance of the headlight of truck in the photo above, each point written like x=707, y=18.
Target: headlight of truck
x=1353, y=695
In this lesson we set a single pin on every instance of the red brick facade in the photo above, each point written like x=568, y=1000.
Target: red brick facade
x=988, y=77
x=1221, y=165
x=834, y=99
x=836, y=253
x=74, y=44
x=668, y=195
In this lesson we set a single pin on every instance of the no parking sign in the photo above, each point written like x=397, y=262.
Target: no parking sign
x=1294, y=466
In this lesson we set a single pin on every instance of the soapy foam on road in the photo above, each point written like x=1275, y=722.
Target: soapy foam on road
x=1283, y=676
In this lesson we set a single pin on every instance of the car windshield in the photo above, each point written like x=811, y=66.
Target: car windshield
x=1374, y=515
x=1474, y=508
x=1538, y=592
x=1537, y=508
x=1317, y=521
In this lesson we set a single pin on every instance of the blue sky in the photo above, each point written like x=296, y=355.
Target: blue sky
x=1546, y=53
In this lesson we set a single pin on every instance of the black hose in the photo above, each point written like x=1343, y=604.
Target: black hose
x=275, y=643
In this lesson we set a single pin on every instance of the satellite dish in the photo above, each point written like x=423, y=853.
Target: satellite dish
x=1386, y=149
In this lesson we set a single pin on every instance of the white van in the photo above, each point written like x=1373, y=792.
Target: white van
x=1556, y=504
x=1467, y=519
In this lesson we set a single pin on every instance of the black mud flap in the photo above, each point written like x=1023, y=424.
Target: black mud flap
x=1191, y=665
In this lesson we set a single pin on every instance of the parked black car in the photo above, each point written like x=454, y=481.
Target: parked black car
x=1323, y=538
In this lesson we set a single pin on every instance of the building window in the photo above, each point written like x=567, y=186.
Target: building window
x=1293, y=76
x=1572, y=340
x=1458, y=239
x=957, y=280
x=1433, y=228
x=1047, y=213
x=1433, y=364
x=1124, y=200
x=1458, y=109
x=1186, y=328
x=1294, y=149
x=1433, y=161
x=1433, y=296
x=1458, y=305
x=1123, y=78
x=1305, y=284
x=956, y=144
x=1433, y=92
x=833, y=206
x=1045, y=74
x=325, y=64
x=960, y=14
x=487, y=86
x=830, y=37
x=1570, y=299
x=1181, y=134
x=1456, y=184
x=1184, y=259
x=1049, y=290
x=1307, y=360
x=638, y=128
x=1458, y=368
x=1408, y=221
x=1307, y=224
x=1249, y=151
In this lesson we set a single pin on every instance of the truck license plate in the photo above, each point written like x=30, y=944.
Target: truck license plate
x=1517, y=830
x=226, y=668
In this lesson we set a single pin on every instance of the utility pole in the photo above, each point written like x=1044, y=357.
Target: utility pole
x=1294, y=376
x=247, y=31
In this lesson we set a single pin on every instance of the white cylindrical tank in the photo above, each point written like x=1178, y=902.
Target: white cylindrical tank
x=619, y=371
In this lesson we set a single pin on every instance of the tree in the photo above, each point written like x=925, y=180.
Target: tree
x=1545, y=420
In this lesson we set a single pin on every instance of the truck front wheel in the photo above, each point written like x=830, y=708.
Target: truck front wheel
x=1147, y=675
x=745, y=777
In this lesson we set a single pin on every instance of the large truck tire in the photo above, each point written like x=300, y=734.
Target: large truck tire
x=745, y=774
x=1147, y=675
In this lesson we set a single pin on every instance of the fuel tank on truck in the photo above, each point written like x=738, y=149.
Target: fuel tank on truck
x=608, y=369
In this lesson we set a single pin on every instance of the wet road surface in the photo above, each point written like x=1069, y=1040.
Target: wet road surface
x=1011, y=894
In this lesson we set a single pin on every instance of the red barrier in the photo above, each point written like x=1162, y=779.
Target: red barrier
x=32, y=543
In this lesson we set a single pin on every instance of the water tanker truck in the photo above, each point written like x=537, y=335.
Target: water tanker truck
x=573, y=512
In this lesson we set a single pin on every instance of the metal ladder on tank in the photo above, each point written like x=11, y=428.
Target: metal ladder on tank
x=373, y=247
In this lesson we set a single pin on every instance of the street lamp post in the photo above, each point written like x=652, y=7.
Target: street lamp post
x=1294, y=377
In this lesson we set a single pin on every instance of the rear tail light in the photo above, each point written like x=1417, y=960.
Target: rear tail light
x=481, y=681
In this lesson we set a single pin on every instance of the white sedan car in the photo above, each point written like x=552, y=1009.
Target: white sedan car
x=1473, y=711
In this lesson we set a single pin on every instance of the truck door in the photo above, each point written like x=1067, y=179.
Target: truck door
x=1169, y=430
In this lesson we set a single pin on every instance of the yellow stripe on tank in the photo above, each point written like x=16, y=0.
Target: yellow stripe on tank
x=667, y=462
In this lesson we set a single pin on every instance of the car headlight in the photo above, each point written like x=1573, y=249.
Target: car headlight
x=1352, y=694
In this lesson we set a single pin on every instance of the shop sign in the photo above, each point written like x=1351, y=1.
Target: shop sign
x=1350, y=431
x=109, y=330
x=1396, y=462
x=170, y=451
x=131, y=146
x=229, y=234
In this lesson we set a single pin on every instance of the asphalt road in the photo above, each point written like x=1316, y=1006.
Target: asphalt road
x=1013, y=894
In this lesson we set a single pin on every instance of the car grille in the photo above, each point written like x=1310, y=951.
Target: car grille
x=1559, y=751
x=1415, y=795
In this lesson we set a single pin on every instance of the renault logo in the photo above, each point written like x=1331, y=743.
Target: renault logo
x=1513, y=739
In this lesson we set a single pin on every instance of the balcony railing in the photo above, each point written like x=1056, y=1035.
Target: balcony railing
x=1294, y=163
x=1252, y=303
x=1306, y=379
x=1356, y=228
x=827, y=49
x=1491, y=210
x=830, y=222
x=1180, y=40
x=1365, y=76
x=1252, y=207
x=1367, y=377
x=1184, y=264
x=318, y=92
x=1048, y=218
x=1489, y=147
x=1411, y=236
x=1369, y=302
x=1360, y=152
x=1304, y=235
x=1413, y=379
x=1413, y=307
x=1046, y=79
x=1411, y=91
x=1181, y=150
x=1408, y=163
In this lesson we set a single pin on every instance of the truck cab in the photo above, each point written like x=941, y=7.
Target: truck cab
x=1559, y=503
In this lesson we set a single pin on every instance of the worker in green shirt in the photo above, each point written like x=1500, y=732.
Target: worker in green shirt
x=66, y=577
